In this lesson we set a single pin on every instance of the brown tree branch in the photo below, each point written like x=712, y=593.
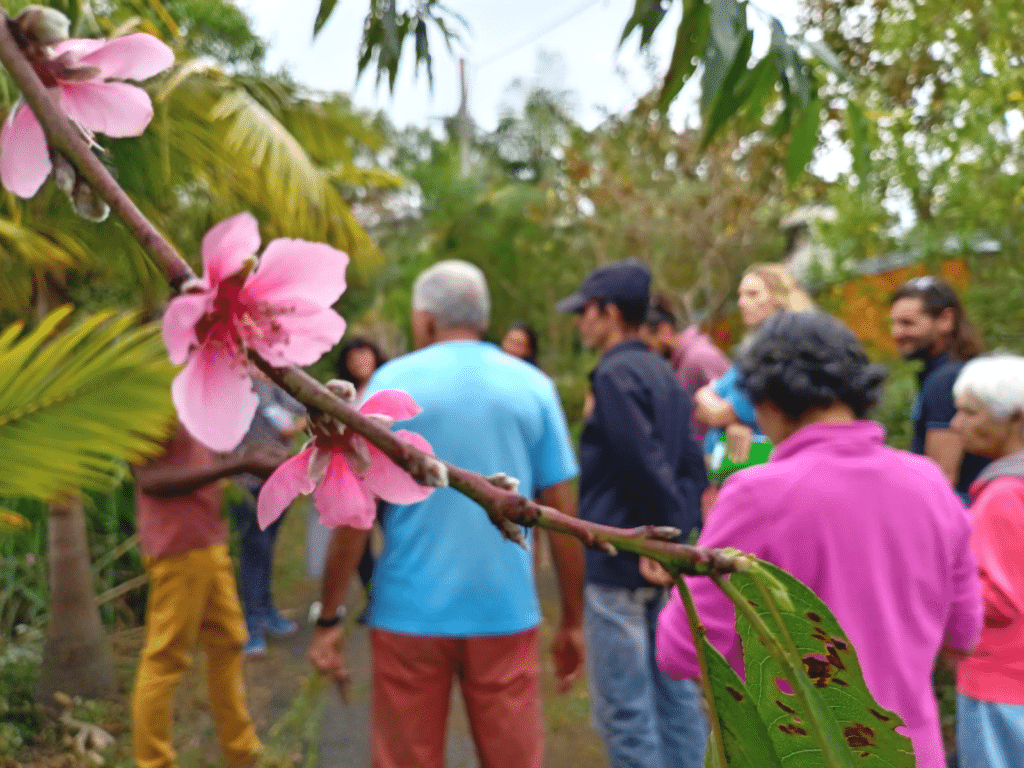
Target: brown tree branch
x=507, y=509
x=63, y=137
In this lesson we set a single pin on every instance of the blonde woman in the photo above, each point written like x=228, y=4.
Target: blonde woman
x=764, y=290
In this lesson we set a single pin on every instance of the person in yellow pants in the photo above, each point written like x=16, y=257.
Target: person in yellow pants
x=192, y=599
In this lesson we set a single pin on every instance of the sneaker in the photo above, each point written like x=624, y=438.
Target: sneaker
x=278, y=626
x=255, y=646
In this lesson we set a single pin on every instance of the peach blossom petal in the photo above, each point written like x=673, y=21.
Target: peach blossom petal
x=113, y=109
x=308, y=331
x=341, y=499
x=215, y=398
x=389, y=481
x=391, y=402
x=179, y=324
x=24, y=156
x=81, y=46
x=297, y=268
x=132, y=57
x=227, y=245
x=284, y=484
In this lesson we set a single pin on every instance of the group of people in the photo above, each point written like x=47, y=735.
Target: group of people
x=881, y=535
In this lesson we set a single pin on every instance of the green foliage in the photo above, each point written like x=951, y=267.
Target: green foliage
x=744, y=736
x=24, y=598
x=828, y=695
x=20, y=718
x=76, y=404
x=717, y=36
x=386, y=30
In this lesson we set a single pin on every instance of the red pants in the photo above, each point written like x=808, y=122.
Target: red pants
x=412, y=683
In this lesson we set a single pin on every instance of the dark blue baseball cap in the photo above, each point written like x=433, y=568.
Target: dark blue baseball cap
x=628, y=280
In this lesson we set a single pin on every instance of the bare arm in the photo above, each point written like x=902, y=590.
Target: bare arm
x=567, y=553
x=325, y=651
x=712, y=409
x=945, y=448
x=158, y=478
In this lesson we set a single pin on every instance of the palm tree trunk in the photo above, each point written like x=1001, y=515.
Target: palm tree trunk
x=76, y=658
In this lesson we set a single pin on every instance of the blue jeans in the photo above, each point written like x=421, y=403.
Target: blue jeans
x=647, y=720
x=989, y=735
x=255, y=562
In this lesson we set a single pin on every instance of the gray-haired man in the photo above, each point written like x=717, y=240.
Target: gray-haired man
x=451, y=597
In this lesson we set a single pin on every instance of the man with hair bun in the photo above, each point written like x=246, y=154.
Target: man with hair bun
x=929, y=324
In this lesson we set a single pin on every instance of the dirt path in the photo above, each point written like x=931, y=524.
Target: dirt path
x=274, y=680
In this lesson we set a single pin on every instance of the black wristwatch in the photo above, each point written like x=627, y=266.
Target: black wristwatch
x=326, y=622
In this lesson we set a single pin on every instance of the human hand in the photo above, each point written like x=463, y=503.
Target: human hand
x=328, y=658
x=262, y=459
x=738, y=438
x=655, y=573
x=568, y=652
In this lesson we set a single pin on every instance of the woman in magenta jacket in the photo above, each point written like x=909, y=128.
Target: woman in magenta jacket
x=989, y=395
x=877, y=533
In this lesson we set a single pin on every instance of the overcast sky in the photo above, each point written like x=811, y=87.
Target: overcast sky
x=505, y=39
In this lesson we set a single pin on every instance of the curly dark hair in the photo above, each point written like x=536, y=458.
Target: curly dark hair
x=805, y=360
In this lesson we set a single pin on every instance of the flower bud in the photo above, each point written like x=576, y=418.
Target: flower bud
x=87, y=203
x=64, y=173
x=40, y=25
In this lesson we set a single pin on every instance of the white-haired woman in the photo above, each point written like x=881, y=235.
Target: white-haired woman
x=989, y=395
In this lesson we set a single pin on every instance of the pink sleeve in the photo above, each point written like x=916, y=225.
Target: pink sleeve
x=727, y=525
x=963, y=627
x=997, y=538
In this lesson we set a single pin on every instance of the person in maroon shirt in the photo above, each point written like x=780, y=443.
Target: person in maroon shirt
x=691, y=352
x=192, y=596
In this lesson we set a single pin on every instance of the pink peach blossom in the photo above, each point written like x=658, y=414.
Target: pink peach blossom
x=281, y=309
x=79, y=76
x=345, y=472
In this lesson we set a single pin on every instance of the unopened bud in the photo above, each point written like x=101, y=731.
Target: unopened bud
x=346, y=390
x=504, y=481
x=40, y=25
x=435, y=473
x=87, y=203
x=64, y=174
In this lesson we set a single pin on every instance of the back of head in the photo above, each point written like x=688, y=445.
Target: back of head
x=997, y=380
x=783, y=288
x=936, y=297
x=455, y=293
x=660, y=311
x=808, y=360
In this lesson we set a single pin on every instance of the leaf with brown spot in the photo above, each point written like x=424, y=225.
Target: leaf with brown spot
x=744, y=734
x=825, y=653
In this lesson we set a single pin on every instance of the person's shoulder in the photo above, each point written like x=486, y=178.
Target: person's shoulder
x=942, y=378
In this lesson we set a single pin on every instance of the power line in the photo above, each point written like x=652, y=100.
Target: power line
x=585, y=5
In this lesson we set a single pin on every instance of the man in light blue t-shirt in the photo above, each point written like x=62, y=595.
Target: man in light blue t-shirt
x=451, y=597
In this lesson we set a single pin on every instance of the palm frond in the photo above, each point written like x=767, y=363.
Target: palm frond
x=76, y=404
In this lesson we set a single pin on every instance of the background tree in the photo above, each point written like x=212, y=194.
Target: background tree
x=945, y=166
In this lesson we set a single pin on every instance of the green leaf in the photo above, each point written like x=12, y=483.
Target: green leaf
x=803, y=140
x=691, y=42
x=647, y=15
x=793, y=73
x=729, y=98
x=322, y=15
x=76, y=404
x=834, y=680
x=826, y=56
x=728, y=30
x=860, y=148
x=744, y=734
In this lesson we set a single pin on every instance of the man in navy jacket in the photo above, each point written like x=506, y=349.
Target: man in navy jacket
x=639, y=466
